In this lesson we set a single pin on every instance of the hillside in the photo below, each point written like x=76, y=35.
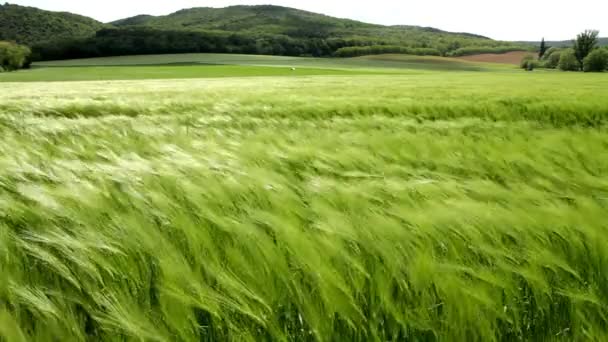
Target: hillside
x=29, y=25
x=277, y=20
x=252, y=19
x=264, y=30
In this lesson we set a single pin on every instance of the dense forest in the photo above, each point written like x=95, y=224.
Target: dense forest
x=149, y=40
x=29, y=25
x=270, y=30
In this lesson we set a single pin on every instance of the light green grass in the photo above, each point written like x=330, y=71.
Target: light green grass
x=227, y=65
x=432, y=207
x=99, y=73
x=185, y=66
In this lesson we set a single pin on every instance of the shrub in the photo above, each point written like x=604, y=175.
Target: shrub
x=13, y=56
x=528, y=62
x=596, y=61
x=549, y=52
x=568, y=61
x=533, y=64
x=552, y=60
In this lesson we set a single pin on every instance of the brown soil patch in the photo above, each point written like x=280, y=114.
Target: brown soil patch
x=513, y=57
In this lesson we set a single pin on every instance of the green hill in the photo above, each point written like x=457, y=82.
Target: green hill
x=29, y=25
x=265, y=30
x=294, y=23
x=252, y=19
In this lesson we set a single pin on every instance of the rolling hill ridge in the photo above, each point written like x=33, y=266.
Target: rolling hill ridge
x=30, y=25
x=269, y=19
x=265, y=29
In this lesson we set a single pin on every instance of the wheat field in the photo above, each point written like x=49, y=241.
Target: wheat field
x=422, y=207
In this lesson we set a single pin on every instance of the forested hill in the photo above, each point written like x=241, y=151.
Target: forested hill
x=264, y=19
x=271, y=30
x=29, y=25
x=269, y=19
x=276, y=20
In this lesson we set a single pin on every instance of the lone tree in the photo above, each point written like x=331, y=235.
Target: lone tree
x=584, y=44
x=543, y=49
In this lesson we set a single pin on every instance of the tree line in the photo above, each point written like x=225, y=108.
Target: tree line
x=145, y=40
x=584, y=55
x=142, y=41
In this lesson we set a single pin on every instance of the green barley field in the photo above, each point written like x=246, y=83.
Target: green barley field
x=369, y=199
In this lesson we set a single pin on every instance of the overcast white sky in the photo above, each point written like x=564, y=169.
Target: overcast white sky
x=505, y=20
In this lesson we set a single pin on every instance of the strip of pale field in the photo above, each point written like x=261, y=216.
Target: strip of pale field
x=439, y=206
x=107, y=73
x=556, y=98
x=389, y=61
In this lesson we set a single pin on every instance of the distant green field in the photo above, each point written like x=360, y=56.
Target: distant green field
x=220, y=65
x=373, y=62
x=414, y=205
x=131, y=72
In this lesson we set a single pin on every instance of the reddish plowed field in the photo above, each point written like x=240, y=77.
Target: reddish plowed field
x=513, y=57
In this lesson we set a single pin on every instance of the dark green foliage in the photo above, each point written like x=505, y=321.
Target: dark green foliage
x=543, y=49
x=354, y=51
x=596, y=61
x=269, y=30
x=568, y=61
x=147, y=40
x=141, y=41
x=584, y=44
x=266, y=20
x=252, y=19
x=28, y=25
x=13, y=56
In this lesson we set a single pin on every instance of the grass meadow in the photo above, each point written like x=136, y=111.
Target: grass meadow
x=415, y=206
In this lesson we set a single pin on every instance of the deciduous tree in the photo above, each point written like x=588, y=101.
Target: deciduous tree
x=13, y=56
x=584, y=44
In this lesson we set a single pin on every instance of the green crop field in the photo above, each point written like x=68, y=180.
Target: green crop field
x=223, y=65
x=130, y=72
x=366, y=62
x=363, y=203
